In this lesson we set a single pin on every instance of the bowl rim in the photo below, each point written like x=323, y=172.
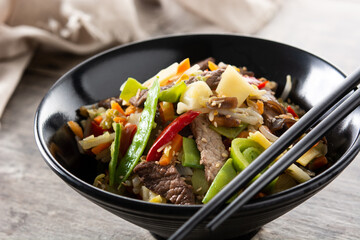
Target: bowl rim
x=111, y=198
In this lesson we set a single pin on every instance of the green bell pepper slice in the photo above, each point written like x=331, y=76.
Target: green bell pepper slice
x=229, y=132
x=114, y=152
x=199, y=182
x=173, y=94
x=191, y=154
x=224, y=176
x=130, y=89
x=141, y=137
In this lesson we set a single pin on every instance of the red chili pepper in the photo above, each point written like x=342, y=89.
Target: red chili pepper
x=127, y=136
x=289, y=109
x=96, y=129
x=169, y=133
x=262, y=85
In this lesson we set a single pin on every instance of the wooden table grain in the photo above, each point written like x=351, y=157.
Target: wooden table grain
x=36, y=204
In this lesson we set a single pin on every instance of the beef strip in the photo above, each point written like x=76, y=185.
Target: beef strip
x=140, y=98
x=213, y=77
x=165, y=181
x=212, y=150
x=106, y=103
x=204, y=63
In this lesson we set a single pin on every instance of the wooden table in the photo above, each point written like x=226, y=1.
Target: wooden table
x=36, y=204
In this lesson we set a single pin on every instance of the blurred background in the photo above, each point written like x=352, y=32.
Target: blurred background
x=41, y=40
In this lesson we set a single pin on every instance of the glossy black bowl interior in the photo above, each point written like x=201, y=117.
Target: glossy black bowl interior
x=101, y=76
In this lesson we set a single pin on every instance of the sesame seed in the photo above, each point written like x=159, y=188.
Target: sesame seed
x=204, y=140
x=217, y=165
x=224, y=154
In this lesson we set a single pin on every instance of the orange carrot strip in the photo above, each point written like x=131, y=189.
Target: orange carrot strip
x=119, y=120
x=76, y=129
x=116, y=106
x=176, y=145
x=183, y=66
x=212, y=66
x=260, y=106
x=167, y=111
x=243, y=134
x=130, y=110
x=99, y=148
x=98, y=119
x=317, y=163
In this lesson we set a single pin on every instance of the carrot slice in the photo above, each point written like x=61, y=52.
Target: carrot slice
x=130, y=110
x=98, y=119
x=167, y=111
x=183, y=66
x=260, y=106
x=119, y=120
x=76, y=129
x=212, y=66
x=99, y=148
x=116, y=106
x=175, y=147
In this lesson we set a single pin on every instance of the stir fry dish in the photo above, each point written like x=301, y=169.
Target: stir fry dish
x=185, y=133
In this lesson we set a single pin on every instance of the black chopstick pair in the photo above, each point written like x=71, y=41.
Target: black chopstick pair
x=338, y=105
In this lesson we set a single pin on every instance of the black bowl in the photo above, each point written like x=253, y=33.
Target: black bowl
x=101, y=76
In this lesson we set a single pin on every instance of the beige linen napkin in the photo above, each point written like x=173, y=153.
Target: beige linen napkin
x=88, y=26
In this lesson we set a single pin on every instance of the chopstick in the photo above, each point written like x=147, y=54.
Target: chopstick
x=331, y=104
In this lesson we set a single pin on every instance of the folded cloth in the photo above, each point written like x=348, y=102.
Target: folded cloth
x=88, y=26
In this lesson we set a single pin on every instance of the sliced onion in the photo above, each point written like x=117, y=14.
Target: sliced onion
x=287, y=88
x=266, y=132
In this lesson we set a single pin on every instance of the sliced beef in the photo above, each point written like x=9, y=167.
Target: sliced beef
x=213, y=78
x=244, y=71
x=106, y=103
x=204, y=63
x=212, y=150
x=166, y=181
x=139, y=99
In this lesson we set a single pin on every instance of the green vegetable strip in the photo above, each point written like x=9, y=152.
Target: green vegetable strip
x=141, y=137
x=244, y=151
x=173, y=94
x=224, y=176
x=239, y=146
x=229, y=132
x=199, y=183
x=130, y=89
x=191, y=156
x=114, y=150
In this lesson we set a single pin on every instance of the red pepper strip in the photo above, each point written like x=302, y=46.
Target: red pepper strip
x=290, y=110
x=127, y=136
x=262, y=85
x=96, y=130
x=169, y=133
